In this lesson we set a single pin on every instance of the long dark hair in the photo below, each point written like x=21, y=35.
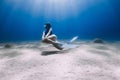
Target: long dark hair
x=48, y=26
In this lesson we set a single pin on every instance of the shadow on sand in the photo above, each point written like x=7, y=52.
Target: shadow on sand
x=46, y=53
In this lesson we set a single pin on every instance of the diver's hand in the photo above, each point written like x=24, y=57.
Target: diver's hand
x=44, y=39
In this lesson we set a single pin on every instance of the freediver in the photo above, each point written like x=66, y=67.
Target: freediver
x=49, y=37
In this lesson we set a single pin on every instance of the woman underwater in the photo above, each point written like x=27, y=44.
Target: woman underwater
x=50, y=38
x=48, y=35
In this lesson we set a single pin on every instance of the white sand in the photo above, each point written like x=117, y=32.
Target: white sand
x=87, y=62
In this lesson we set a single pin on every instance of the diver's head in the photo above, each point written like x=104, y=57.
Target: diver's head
x=47, y=25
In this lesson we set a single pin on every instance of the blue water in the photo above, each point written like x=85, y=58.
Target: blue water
x=23, y=20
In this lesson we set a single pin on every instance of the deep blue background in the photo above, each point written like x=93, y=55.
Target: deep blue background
x=100, y=20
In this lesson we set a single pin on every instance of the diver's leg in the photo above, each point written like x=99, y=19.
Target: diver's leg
x=53, y=40
x=52, y=37
x=56, y=44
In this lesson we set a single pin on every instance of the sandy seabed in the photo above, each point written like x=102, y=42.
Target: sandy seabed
x=35, y=61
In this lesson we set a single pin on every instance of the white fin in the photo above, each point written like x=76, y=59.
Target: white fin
x=73, y=39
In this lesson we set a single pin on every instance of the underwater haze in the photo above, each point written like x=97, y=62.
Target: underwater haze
x=95, y=56
x=23, y=20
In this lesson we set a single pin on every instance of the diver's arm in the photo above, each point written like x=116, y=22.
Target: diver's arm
x=43, y=36
x=48, y=32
